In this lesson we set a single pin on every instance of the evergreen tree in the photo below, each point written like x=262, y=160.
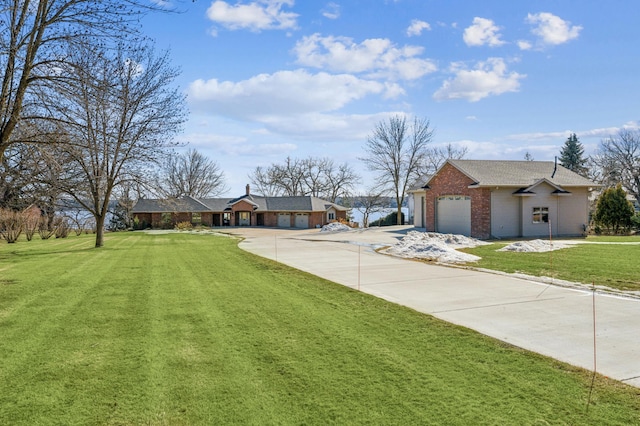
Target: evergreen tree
x=571, y=156
x=613, y=210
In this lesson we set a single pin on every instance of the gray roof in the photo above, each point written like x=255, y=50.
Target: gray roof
x=170, y=205
x=518, y=173
x=263, y=204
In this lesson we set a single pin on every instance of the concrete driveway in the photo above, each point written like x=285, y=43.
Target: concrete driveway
x=553, y=321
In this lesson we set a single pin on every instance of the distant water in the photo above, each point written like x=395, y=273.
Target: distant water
x=356, y=216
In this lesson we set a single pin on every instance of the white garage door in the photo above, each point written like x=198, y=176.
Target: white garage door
x=284, y=220
x=302, y=220
x=454, y=214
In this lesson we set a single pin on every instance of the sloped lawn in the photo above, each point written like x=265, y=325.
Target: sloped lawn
x=183, y=329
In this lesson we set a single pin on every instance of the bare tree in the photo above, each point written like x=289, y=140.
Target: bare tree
x=312, y=171
x=340, y=181
x=435, y=158
x=396, y=152
x=369, y=203
x=117, y=113
x=192, y=174
x=318, y=177
x=35, y=36
x=618, y=161
x=264, y=182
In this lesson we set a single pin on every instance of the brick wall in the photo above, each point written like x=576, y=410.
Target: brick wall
x=156, y=220
x=450, y=181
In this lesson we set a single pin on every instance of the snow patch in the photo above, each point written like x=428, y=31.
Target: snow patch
x=335, y=227
x=434, y=246
x=535, y=246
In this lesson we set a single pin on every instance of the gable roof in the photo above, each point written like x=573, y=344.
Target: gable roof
x=485, y=173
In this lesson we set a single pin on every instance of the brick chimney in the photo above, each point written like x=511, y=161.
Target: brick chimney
x=248, y=190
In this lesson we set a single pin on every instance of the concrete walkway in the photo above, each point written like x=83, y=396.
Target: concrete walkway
x=554, y=321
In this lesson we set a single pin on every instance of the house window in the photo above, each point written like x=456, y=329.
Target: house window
x=541, y=215
x=196, y=218
x=332, y=216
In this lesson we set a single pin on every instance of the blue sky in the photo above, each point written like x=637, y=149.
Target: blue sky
x=267, y=79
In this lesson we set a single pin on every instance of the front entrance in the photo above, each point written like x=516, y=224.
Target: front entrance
x=243, y=218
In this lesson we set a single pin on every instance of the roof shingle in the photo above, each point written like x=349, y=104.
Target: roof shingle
x=518, y=173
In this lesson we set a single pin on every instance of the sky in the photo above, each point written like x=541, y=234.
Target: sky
x=271, y=79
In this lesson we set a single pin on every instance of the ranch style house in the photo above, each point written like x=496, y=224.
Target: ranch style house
x=247, y=210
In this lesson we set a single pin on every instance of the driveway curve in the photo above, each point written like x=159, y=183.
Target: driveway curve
x=553, y=321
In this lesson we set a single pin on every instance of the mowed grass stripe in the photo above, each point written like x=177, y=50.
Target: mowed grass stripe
x=188, y=329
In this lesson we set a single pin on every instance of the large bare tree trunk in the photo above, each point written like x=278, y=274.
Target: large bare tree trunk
x=100, y=231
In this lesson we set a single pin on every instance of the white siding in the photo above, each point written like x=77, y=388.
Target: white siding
x=505, y=213
x=418, y=209
x=573, y=212
x=331, y=215
x=543, y=198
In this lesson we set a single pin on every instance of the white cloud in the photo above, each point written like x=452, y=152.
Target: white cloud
x=524, y=45
x=255, y=16
x=482, y=32
x=237, y=145
x=488, y=78
x=326, y=127
x=416, y=27
x=284, y=93
x=551, y=29
x=379, y=58
x=331, y=11
x=603, y=132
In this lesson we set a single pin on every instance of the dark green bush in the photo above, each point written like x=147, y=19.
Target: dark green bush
x=388, y=220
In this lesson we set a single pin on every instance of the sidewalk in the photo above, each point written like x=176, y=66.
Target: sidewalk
x=554, y=321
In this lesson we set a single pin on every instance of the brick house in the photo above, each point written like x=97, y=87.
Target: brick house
x=247, y=210
x=501, y=199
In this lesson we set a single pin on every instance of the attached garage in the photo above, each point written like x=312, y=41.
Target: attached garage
x=284, y=220
x=453, y=214
x=302, y=220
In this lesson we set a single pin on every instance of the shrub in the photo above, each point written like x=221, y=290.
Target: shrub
x=184, y=226
x=11, y=225
x=31, y=217
x=62, y=227
x=388, y=220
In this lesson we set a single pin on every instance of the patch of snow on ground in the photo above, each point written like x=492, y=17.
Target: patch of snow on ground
x=434, y=246
x=535, y=246
x=335, y=227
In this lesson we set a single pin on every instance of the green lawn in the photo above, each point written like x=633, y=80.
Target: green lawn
x=183, y=329
x=612, y=265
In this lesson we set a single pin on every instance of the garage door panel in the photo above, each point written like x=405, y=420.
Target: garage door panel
x=284, y=220
x=302, y=220
x=454, y=214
